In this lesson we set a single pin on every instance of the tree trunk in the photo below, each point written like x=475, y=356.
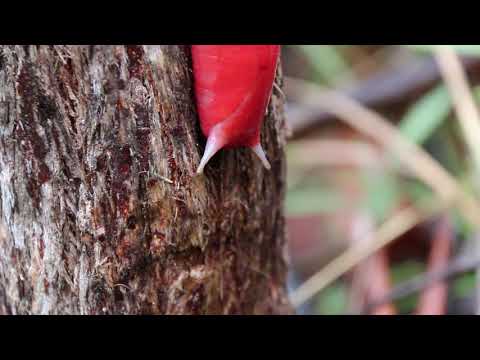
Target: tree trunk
x=101, y=211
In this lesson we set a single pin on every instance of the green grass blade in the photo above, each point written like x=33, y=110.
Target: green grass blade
x=327, y=62
x=426, y=115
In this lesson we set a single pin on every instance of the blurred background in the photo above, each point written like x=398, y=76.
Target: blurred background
x=383, y=178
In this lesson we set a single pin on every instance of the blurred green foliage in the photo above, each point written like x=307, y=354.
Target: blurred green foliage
x=313, y=200
x=470, y=50
x=382, y=193
x=333, y=300
x=403, y=272
x=327, y=62
x=429, y=122
x=463, y=285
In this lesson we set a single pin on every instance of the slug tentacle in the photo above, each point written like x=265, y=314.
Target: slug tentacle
x=215, y=142
x=257, y=149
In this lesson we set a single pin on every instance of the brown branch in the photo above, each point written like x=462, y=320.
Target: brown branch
x=385, y=90
x=458, y=266
x=370, y=278
x=433, y=300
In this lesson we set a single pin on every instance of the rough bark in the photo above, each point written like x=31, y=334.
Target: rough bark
x=100, y=208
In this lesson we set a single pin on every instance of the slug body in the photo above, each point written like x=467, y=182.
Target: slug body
x=233, y=85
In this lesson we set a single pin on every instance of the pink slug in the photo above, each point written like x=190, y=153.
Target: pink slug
x=233, y=84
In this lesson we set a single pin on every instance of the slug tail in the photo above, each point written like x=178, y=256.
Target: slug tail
x=214, y=144
x=257, y=149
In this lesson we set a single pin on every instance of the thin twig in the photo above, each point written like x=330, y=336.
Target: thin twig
x=385, y=89
x=433, y=300
x=313, y=153
x=420, y=163
x=463, y=101
x=458, y=266
x=336, y=152
x=397, y=225
x=370, y=278
x=416, y=159
x=308, y=155
x=467, y=112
